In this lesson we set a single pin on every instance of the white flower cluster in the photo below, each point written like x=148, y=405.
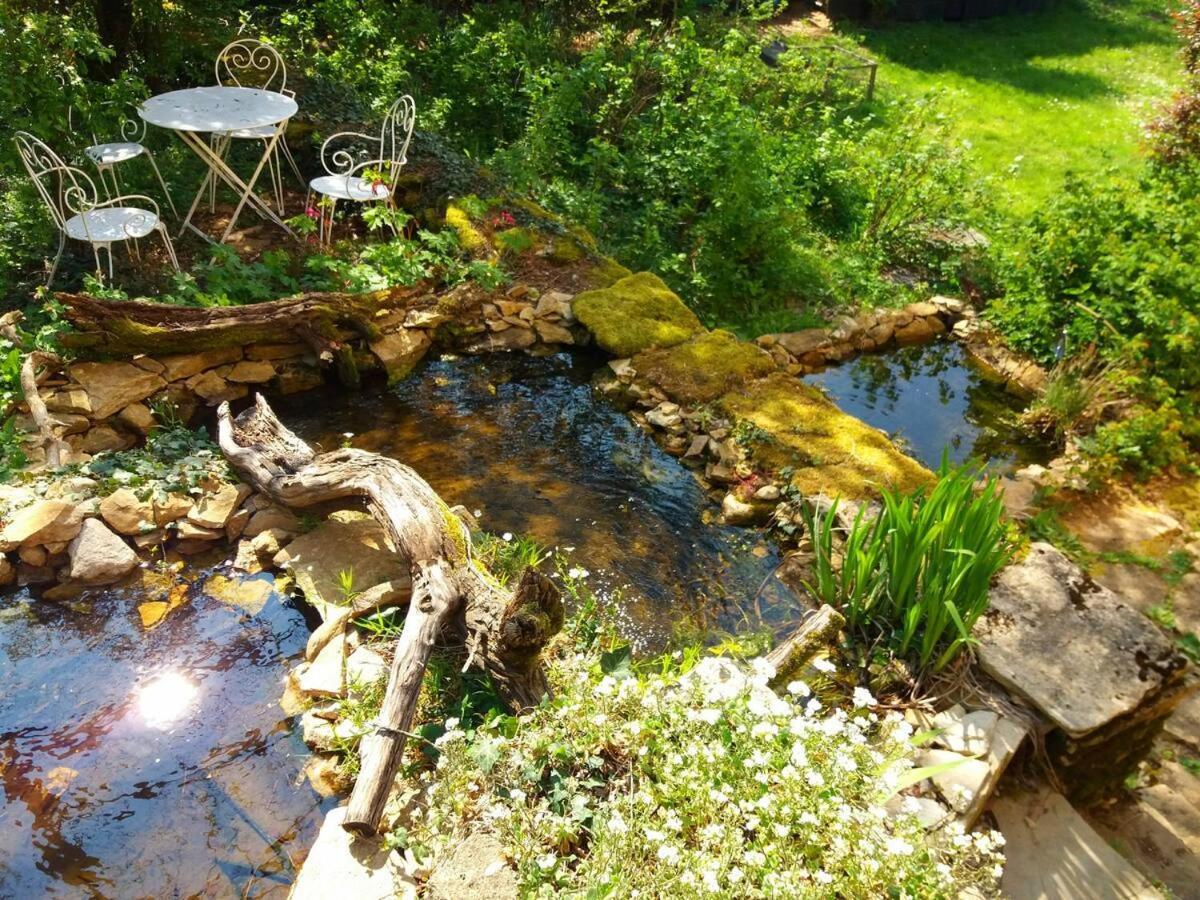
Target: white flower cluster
x=706, y=783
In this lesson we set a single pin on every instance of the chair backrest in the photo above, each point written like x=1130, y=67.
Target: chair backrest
x=247, y=62
x=396, y=135
x=66, y=190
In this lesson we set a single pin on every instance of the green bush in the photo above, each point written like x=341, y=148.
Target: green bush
x=917, y=574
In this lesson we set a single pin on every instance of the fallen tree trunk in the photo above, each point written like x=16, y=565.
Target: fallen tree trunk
x=504, y=631
x=130, y=327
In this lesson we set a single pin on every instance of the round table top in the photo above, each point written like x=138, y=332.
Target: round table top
x=217, y=109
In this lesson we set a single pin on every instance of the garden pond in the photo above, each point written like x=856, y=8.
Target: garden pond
x=142, y=742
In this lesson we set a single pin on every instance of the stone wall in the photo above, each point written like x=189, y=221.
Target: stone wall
x=813, y=349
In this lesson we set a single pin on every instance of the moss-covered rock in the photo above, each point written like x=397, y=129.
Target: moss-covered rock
x=703, y=368
x=792, y=425
x=636, y=313
x=606, y=272
x=470, y=237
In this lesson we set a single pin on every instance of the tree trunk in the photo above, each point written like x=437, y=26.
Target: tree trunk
x=504, y=631
x=324, y=321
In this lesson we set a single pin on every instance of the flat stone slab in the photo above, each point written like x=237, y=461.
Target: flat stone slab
x=1070, y=646
x=341, y=866
x=1053, y=854
x=349, y=542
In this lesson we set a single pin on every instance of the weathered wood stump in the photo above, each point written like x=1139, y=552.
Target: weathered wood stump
x=504, y=631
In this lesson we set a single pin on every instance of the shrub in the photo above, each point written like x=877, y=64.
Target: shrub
x=915, y=575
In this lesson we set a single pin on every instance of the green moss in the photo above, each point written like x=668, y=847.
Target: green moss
x=456, y=530
x=831, y=453
x=606, y=273
x=470, y=237
x=564, y=251
x=703, y=368
x=636, y=313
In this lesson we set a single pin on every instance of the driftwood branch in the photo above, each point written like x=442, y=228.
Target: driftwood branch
x=450, y=595
x=818, y=630
x=35, y=359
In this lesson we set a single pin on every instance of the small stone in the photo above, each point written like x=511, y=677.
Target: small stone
x=98, y=556
x=149, y=539
x=364, y=666
x=42, y=522
x=171, y=508
x=251, y=372
x=246, y=559
x=185, y=365
x=72, y=401
x=768, y=493
x=697, y=447
x=268, y=543
x=969, y=733
x=214, y=389
x=738, y=512
x=33, y=555
x=188, y=530
x=237, y=524
x=214, y=509
x=961, y=782
x=149, y=364
x=138, y=417
x=665, y=415
x=323, y=677
x=103, y=438
x=8, y=572
x=554, y=334
x=272, y=518
x=113, y=386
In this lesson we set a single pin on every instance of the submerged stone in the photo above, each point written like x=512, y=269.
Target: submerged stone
x=634, y=314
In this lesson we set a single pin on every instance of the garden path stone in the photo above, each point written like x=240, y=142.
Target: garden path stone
x=1053, y=854
x=1072, y=647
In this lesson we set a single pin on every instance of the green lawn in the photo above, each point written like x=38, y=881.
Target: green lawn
x=1039, y=95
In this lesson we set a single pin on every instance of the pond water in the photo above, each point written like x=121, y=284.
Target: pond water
x=929, y=399
x=143, y=751
x=528, y=443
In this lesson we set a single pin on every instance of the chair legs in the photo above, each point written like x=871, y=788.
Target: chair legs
x=62, y=242
x=287, y=151
x=161, y=183
x=162, y=229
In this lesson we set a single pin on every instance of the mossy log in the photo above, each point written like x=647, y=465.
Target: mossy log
x=451, y=595
x=129, y=327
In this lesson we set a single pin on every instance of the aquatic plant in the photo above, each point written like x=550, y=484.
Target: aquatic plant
x=917, y=573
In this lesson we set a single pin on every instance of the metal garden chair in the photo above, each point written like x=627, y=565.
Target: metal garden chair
x=80, y=214
x=107, y=156
x=368, y=175
x=250, y=63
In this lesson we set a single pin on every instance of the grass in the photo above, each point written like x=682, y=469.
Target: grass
x=1039, y=95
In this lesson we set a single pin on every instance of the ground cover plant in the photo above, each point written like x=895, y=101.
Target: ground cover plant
x=683, y=775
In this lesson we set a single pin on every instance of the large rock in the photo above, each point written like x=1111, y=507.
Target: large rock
x=799, y=343
x=42, y=522
x=251, y=372
x=340, y=865
x=635, y=313
x=98, y=556
x=111, y=387
x=400, y=351
x=126, y=513
x=1071, y=647
x=349, y=542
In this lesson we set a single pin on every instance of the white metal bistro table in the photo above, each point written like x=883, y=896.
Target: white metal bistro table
x=194, y=112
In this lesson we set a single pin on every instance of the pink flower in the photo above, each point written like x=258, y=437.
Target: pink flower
x=311, y=212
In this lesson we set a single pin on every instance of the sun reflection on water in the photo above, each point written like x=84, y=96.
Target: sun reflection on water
x=165, y=699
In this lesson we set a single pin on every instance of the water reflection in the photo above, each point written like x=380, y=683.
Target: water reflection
x=528, y=443
x=145, y=759
x=930, y=399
